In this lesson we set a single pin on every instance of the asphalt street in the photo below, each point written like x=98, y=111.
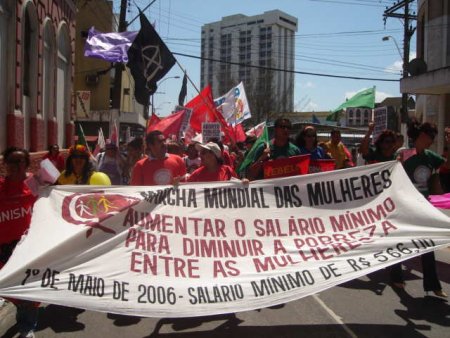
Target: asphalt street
x=365, y=307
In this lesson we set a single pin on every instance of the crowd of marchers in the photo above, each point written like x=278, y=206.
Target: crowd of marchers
x=161, y=160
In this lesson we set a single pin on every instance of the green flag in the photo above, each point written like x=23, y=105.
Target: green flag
x=250, y=158
x=81, y=138
x=365, y=98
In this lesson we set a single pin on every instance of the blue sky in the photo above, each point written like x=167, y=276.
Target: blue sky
x=340, y=37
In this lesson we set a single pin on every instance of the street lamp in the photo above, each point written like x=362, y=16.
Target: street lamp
x=390, y=37
x=153, y=96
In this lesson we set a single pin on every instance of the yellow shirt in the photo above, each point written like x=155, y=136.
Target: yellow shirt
x=71, y=179
x=337, y=152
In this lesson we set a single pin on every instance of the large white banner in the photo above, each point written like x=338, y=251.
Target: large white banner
x=203, y=249
x=234, y=105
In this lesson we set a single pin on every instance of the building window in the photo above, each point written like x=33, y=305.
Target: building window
x=448, y=35
x=63, y=82
x=7, y=15
x=29, y=67
x=48, y=76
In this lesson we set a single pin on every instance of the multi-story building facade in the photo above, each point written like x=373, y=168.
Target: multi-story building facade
x=266, y=40
x=36, y=72
x=431, y=80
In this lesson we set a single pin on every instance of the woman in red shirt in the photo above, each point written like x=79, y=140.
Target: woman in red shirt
x=212, y=168
x=16, y=199
x=55, y=156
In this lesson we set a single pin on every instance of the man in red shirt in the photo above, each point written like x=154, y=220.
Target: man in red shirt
x=159, y=168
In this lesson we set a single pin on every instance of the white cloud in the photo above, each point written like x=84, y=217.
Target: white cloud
x=379, y=96
x=397, y=66
x=308, y=84
x=311, y=106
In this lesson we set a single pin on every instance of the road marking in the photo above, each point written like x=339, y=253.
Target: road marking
x=335, y=317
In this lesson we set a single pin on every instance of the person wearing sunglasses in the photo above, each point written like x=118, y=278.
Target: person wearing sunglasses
x=17, y=201
x=306, y=142
x=385, y=146
x=420, y=168
x=279, y=147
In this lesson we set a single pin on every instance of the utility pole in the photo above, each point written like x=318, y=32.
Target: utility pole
x=117, y=95
x=407, y=34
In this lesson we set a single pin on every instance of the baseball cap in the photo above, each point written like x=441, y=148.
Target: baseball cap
x=211, y=146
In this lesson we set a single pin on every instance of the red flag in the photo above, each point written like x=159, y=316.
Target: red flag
x=154, y=119
x=169, y=125
x=204, y=110
x=239, y=134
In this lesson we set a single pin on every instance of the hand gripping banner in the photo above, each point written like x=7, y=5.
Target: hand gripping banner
x=203, y=249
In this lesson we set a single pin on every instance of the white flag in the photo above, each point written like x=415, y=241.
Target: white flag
x=234, y=105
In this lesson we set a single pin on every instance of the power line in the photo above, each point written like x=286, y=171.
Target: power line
x=286, y=70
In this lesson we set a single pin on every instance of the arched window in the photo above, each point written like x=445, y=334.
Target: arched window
x=48, y=67
x=62, y=82
x=29, y=66
x=6, y=56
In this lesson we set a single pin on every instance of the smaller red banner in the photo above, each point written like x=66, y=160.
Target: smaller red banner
x=284, y=167
x=318, y=166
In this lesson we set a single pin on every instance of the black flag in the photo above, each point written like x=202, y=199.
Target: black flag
x=183, y=91
x=149, y=60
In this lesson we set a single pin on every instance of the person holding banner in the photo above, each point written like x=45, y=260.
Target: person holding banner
x=279, y=147
x=17, y=198
x=420, y=168
x=80, y=170
x=384, y=146
x=212, y=167
x=160, y=167
x=306, y=141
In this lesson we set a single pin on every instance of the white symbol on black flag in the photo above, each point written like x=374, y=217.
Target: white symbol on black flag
x=149, y=60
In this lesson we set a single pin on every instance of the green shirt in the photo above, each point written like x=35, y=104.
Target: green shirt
x=375, y=156
x=420, y=167
x=287, y=150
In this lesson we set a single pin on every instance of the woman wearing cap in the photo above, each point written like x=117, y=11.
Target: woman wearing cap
x=306, y=141
x=80, y=170
x=212, y=168
x=420, y=169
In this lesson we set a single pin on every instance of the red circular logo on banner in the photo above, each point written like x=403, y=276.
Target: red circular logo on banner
x=91, y=209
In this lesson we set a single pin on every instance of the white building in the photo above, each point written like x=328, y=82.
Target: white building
x=265, y=40
x=430, y=79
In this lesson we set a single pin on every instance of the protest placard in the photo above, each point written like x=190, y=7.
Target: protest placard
x=380, y=121
x=210, y=130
